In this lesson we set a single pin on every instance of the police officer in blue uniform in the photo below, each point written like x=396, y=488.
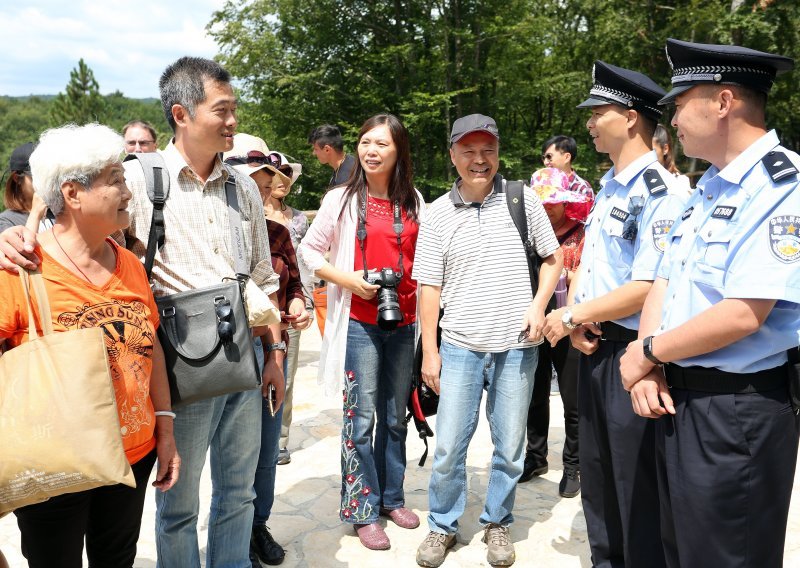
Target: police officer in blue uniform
x=625, y=237
x=720, y=318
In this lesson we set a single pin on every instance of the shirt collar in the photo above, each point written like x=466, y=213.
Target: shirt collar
x=458, y=201
x=176, y=163
x=635, y=168
x=735, y=171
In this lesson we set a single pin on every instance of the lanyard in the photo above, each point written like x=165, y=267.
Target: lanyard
x=361, y=233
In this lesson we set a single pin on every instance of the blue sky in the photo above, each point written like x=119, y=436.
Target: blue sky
x=127, y=44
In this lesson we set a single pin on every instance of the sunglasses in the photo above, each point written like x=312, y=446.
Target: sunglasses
x=630, y=229
x=547, y=157
x=225, y=327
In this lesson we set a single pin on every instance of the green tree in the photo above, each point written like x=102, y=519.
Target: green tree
x=527, y=63
x=82, y=102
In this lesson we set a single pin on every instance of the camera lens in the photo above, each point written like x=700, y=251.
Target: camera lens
x=389, y=314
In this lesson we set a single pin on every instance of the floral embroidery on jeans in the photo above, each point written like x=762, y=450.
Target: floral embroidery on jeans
x=355, y=506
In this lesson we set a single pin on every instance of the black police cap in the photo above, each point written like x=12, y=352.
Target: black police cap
x=618, y=86
x=700, y=63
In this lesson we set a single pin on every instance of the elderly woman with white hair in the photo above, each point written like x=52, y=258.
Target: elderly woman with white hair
x=77, y=172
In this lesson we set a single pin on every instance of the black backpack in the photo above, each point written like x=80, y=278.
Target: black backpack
x=422, y=401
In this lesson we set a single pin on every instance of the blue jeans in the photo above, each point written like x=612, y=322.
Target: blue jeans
x=230, y=425
x=508, y=380
x=377, y=383
x=267, y=460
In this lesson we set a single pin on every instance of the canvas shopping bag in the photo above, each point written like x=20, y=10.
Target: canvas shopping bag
x=59, y=428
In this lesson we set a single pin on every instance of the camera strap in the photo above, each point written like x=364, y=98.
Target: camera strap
x=361, y=232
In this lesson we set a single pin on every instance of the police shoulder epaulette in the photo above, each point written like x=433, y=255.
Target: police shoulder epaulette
x=778, y=166
x=655, y=183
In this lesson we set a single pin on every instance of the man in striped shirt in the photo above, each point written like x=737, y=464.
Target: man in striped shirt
x=471, y=261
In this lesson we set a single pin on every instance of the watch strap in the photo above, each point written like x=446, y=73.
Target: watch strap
x=647, y=349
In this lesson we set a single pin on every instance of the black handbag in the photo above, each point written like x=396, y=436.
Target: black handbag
x=207, y=343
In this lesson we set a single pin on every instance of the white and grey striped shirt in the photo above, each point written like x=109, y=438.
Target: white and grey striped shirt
x=474, y=252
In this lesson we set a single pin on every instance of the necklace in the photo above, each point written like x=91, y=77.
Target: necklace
x=70, y=258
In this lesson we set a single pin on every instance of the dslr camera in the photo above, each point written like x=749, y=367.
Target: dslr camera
x=389, y=314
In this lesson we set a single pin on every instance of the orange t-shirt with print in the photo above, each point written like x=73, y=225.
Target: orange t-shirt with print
x=124, y=307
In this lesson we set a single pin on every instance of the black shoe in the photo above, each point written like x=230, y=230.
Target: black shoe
x=265, y=547
x=570, y=484
x=531, y=469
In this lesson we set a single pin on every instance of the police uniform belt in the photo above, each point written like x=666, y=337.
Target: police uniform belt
x=615, y=332
x=716, y=381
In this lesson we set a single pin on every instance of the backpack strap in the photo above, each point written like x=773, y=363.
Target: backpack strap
x=515, y=199
x=156, y=177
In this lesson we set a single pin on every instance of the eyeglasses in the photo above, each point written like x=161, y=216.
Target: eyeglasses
x=225, y=327
x=635, y=206
x=141, y=143
x=547, y=157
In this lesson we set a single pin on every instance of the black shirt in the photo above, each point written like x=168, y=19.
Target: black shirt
x=341, y=175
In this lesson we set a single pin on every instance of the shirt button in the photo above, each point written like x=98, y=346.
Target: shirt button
x=216, y=250
x=709, y=233
x=210, y=220
x=710, y=197
x=695, y=229
x=683, y=262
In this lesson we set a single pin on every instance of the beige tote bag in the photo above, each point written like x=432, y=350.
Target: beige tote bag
x=59, y=428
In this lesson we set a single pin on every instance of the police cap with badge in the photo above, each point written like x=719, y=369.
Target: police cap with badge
x=614, y=85
x=699, y=63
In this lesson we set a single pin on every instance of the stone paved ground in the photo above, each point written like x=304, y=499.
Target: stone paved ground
x=548, y=532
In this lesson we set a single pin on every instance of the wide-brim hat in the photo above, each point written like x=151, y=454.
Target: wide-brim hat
x=700, y=63
x=248, y=149
x=552, y=187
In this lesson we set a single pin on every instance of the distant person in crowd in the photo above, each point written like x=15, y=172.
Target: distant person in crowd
x=625, y=237
x=560, y=152
x=662, y=144
x=567, y=211
x=78, y=173
x=722, y=317
x=18, y=196
x=490, y=328
x=370, y=226
x=139, y=136
x=328, y=146
x=248, y=157
x=284, y=175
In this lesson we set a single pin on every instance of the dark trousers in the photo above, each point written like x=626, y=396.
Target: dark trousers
x=618, y=471
x=565, y=360
x=725, y=471
x=108, y=517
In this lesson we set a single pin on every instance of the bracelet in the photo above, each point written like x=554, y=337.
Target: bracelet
x=165, y=413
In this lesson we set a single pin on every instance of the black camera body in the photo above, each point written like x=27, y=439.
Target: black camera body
x=389, y=314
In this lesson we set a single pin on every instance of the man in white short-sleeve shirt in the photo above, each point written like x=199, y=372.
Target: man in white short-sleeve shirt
x=470, y=259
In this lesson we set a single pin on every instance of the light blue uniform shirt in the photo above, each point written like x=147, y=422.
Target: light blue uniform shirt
x=608, y=260
x=739, y=238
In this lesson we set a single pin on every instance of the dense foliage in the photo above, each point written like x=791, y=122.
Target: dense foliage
x=527, y=63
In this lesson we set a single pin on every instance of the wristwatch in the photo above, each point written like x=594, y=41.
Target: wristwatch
x=566, y=319
x=281, y=345
x=647, y=348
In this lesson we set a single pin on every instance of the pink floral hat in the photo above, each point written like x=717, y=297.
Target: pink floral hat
x=552, y=187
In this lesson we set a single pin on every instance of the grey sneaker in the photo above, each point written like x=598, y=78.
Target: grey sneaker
x=433, y=549
x=284, y=456
x=501, y=549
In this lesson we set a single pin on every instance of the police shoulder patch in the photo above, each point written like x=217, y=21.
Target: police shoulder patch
x=784, y=237
x=655, y=184
x=660, y=230
x=779, y=166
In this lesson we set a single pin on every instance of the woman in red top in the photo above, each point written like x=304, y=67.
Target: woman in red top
x=370, y=227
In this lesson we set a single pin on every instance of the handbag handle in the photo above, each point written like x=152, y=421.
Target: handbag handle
x=34, y=280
